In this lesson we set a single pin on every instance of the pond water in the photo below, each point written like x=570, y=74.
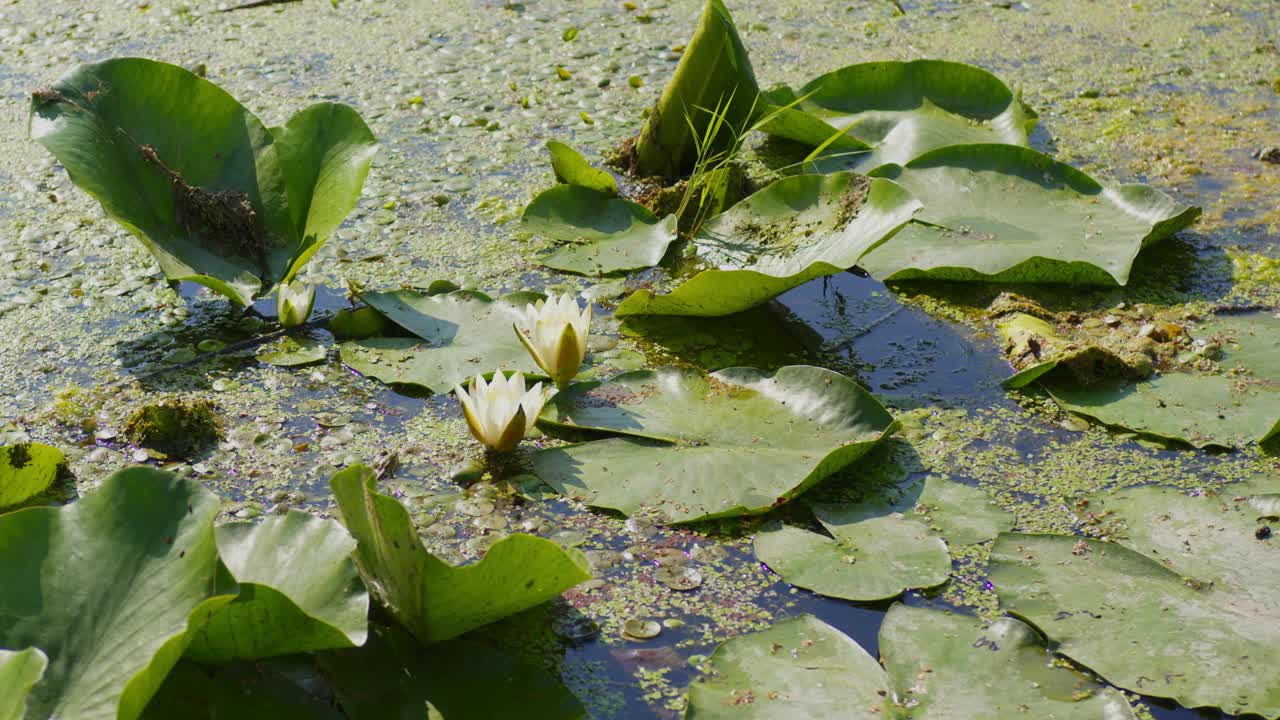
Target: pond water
x=462, y=96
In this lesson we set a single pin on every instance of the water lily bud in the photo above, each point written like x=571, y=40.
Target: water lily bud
x=554, y=331
x=293, y=303
x=500, y=413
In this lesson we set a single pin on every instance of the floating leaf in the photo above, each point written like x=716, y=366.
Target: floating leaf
x=572, y=168
x=892, y=112
x=606, y=234
x=435, y=600
x=714, y=78
x=1000, y=213
x=245, y=691
x=939, y=665
x=299, y=591
x=694, y=447
x=215, y=196
x=26, y=470
x=796, y=229
x=1235, y=403
x=110, y=588
x=19, y=672
x=291, y=352
x=392, y=677
x=892, y=541
x=948, y=666
x=459, y=334
x=1196, y=619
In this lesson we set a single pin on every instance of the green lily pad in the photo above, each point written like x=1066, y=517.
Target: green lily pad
x=892, y=541
x=215, y=196
x=110, y=588
x=27, y=470
x=435, y=600
x=605, y=234
x=939, y=665
x=796, y=229
x=458, y=335
x=299, y=591
x=292, y=352
x=892, y=112
x=1183, y=606
x=695, y=447
x=953, y=667
x=245, y=691
x=572, y=168
x=709, y=102
x=1235, y=405
x=1000, y=213
x=19, y=672
x=393, y=677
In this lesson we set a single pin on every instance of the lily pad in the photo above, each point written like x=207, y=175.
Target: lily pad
x=892, y=541
x=939, y=665
x=796, y=229
x=606, y=234
x=110, y=588
x=1001, y=213
x=435, y=600
x=893, y=112
x=572, y=168
x=26, y=470
x=19, y=672
x=953, y=667
x=215, y=196
x=458, y=335
x=299, y=591
x=1183, y=606
x=292, y=352
x=695, y=447
x=245, y=691
x=1232, y=402
x=393, y=677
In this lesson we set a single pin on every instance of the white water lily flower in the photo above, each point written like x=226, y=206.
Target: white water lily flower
x=293, y=303
x=500, y=413
x=554, y=331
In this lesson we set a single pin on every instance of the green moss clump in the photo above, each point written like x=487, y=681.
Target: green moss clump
x=175, y=426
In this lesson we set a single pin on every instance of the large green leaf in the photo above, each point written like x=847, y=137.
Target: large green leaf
x=110, y=588
x=459, y=334
x=20, y=670
x=393, y=678
x=693, y=447
x=436, y=600
x=796, y=229
x=572, y=168
x=947, y=666
x=713, y=95
x=299, y=591
x=1001, y=213
x=939, y=665
x=325, y=152
x=799, y=669
x=1186, y=607
x=895, y=111
x=1233, y=405
x=27, y=469
x=213, y=194
x=890, y=542
x=244, y=691
x=606, y=234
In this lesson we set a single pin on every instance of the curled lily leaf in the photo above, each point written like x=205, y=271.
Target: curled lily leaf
x=554, y=331
x=293, y=303
x=501, y=412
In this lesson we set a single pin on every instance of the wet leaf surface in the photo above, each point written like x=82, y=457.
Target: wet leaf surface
x=603, y=234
